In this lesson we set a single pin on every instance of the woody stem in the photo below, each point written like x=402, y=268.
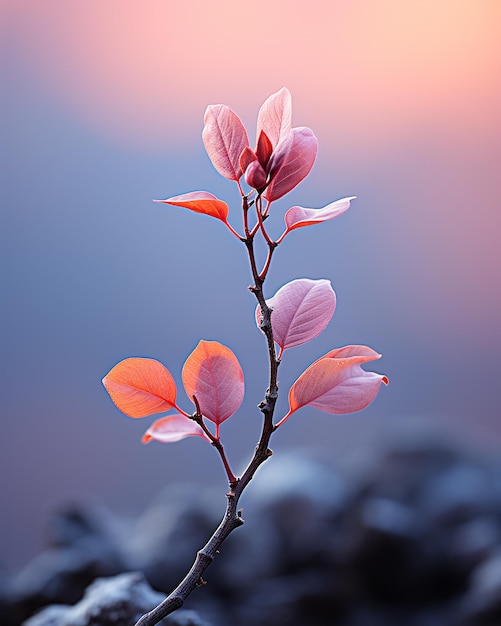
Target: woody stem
x=232, y=518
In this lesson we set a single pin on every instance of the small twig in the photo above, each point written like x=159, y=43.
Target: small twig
x=271, y=247
x=215, y=441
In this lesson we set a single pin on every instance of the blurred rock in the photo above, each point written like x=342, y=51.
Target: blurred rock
x=112, y=601
x=481, y=605
x=83, y=549
x=164, y=540
x=414, y=538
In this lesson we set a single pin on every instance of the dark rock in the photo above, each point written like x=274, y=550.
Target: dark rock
x=459, y=492
x=294, y=505
x=414, y=539
x=164, y=541
x=481, y=605
x=120, y=600
x=60, y=575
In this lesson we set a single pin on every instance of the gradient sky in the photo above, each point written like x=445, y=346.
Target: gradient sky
x=102, y=109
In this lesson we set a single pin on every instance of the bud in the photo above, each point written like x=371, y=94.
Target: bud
x=255, y=176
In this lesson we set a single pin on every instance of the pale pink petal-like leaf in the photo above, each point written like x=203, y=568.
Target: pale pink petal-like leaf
x=301, y=310
x=291, y=162
x=297, y=217
x=141, y=387
x=224, y=138
x=173, y=428
x=213, y=374
x=275, y=116
x=200, y=202
x=336, y=383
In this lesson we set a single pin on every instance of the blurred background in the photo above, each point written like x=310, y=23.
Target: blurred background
x=102, y=111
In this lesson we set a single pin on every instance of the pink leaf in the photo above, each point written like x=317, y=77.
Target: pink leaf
x=213, y=374
x=173, y=428
x=224, y=138
x=291, y=162
x=200, y=202
x=141, y=387
x=297, y=217
x=336, y=383
x=275, y=116
x=301, y=310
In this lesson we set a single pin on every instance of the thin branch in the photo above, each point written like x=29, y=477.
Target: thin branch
x=232, y=518
x=233, y=231
x=215, y=440
x=271, y=247
x=232, y=479
x=260, y=222
x=245, y=209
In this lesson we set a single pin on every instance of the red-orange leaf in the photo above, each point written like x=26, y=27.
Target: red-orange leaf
x=213, y=374
x=200, y=202
x=141, y=387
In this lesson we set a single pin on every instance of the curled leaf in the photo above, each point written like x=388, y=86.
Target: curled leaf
x=141, y=387
x=200, y=202
x=301, y=310
x=336, y=383
x=213, y=375
x=173, y=428
x=291, y=162
x=297, y=217
x=224, y=138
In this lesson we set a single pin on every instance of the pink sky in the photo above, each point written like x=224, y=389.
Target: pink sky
x=368, y=70
x=387, y=86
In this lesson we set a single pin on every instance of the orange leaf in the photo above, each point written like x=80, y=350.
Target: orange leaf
x=213, y=374
x=200, y=202
x=141, y=387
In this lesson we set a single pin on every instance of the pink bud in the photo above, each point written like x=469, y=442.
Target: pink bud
x=255, y=176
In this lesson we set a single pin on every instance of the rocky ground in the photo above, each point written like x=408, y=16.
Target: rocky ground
x=414, y=539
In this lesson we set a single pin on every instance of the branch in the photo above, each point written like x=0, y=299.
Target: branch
x=215, y=441
x=232, y=518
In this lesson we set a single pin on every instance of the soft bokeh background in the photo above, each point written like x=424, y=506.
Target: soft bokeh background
x=102, y=108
